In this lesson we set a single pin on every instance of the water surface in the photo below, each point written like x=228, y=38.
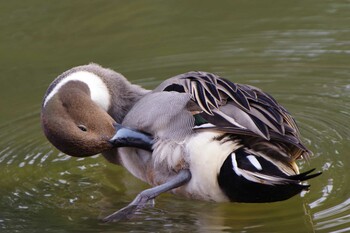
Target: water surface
x=297, y=51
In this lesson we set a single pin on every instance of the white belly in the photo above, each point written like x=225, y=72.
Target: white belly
x=205, y=158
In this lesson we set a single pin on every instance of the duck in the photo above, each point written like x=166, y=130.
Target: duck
x=197, y=135
x=81, y=108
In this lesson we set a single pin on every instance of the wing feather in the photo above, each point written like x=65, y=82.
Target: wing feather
x=237, y=108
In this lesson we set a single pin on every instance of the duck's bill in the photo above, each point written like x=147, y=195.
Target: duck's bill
x=128, y=137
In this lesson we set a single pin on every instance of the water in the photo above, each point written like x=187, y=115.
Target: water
x=298, y=51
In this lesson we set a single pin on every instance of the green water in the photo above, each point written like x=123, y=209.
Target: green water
x=298, y=51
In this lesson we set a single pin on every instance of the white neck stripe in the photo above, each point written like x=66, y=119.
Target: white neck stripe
x=98, y=89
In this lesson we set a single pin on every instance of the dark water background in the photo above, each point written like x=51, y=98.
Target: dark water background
x=298, y=51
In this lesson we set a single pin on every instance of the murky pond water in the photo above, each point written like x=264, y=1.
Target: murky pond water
x=296, y=50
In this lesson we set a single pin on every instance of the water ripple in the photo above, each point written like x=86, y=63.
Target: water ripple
x=38, y=180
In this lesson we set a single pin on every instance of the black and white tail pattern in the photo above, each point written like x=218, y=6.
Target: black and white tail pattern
x=248, y=176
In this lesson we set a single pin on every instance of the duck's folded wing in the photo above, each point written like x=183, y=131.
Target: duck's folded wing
x=235, y=108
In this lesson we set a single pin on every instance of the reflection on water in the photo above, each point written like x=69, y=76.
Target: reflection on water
x=298, y=53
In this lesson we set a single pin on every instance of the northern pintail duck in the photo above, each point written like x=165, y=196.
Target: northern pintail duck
x=81, y=107
x=197, y=135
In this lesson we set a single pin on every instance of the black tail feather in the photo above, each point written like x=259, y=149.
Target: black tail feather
x=305, y=175
x=240, y=189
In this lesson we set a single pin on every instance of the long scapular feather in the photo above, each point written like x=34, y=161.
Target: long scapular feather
x=254, y=112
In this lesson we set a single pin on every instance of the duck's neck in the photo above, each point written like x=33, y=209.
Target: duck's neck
x=124, y=100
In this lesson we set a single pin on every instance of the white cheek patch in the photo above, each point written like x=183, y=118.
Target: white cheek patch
x=98, y=89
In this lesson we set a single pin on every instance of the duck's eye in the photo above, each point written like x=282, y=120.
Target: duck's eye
x=82, y=128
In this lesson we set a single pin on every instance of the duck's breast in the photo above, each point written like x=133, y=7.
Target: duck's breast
x=136, y=161
x=147, y=167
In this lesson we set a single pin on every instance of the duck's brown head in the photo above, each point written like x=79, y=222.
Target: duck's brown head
x=80, y=109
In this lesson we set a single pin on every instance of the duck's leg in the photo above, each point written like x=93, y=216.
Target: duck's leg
x=128, y=137
x=149, y=194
